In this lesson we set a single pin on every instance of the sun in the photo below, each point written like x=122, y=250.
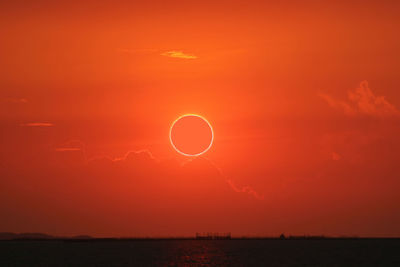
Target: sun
x=191, y=135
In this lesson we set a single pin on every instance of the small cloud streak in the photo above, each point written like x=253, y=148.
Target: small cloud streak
x=70, y=146
x=362, y=101
x=178, y=54
x=65, y=149
x=335, y=156
x=37, y=124
x=15, y=100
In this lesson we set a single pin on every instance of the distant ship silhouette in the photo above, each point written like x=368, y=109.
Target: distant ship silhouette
x=213, y=236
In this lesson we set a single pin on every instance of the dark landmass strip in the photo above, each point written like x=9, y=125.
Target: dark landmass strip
x=39, y=236
x=9, y=236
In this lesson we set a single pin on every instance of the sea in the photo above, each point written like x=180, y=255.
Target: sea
x=252, y=252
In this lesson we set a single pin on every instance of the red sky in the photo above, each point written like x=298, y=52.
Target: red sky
x=303, y=99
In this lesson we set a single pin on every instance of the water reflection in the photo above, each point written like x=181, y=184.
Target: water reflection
x=198, y=253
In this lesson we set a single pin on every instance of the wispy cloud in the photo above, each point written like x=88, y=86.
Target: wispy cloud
x=178, y=54
x=244, y=189
x=338, y=104
x=364, y=102
x=37, y=124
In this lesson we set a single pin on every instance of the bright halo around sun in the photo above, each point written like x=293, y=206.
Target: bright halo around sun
x=191, y=135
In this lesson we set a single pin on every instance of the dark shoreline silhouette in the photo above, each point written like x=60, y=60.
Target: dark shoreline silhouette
x=8, y=236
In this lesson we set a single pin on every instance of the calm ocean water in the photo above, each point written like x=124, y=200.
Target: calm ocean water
x=377, y=252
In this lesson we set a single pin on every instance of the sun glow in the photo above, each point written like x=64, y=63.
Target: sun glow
x=191, y=135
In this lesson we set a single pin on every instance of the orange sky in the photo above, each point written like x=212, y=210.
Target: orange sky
x=303, y=99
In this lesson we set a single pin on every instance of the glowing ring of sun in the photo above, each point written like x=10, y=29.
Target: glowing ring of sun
x=187, y=154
